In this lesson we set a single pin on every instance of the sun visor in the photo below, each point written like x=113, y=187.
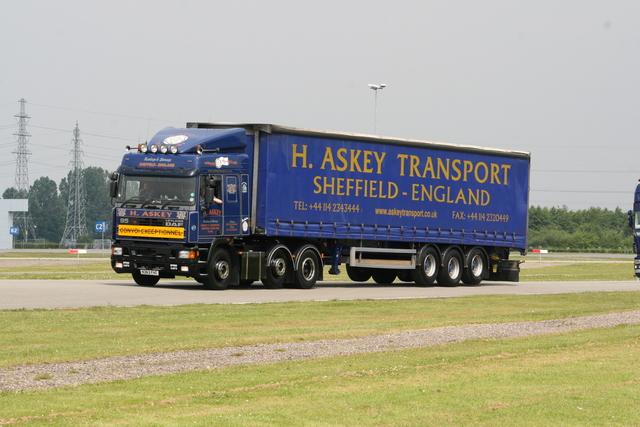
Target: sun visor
x=187, y=140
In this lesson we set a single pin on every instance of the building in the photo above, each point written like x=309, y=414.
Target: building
x=7, y=209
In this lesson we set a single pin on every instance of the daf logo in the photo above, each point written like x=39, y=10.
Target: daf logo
x=176, y=139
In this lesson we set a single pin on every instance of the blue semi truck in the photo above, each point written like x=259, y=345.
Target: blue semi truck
x=229, y=204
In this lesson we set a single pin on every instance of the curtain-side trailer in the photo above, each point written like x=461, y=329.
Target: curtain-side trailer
x=229, y=204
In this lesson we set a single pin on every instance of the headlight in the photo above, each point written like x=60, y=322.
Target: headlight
x=174, y=149
x=143, y=148
x=116, y=251
x=163, y=149
x=154, y=148
x=187, y=254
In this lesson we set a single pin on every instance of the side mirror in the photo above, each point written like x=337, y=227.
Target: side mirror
x=113, y=189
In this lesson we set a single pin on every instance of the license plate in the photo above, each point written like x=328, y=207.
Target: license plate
x=150, y=272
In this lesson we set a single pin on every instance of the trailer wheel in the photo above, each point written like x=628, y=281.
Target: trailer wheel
x=144, y=280
x=277, y=270
x=475, y=267
x=405, y=275
x=451, y=270
x=382, y=276
x=219, y=271
x=358, y=274
x=308, y=270
x=427, y=269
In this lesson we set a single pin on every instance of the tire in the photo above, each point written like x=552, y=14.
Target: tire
x=277, y=270
x=383, y=276
x=405, y=275
x=308, y=270
x=244, y=284
x=145, y=280
x=428, y=266
x=475, y=267
x=221, y=272
x=358, y=274
x=451, y=269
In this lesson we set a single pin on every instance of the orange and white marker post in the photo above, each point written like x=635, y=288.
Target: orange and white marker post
x=540, y=251
x=77, y=251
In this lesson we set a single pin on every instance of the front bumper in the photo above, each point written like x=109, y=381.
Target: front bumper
x=168, y=260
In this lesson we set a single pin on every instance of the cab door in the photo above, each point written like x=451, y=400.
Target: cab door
x=244, y=204
x=232, y=206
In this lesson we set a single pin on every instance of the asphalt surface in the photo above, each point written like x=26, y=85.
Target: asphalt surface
x=52, y=294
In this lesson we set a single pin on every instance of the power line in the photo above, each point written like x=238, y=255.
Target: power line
x=105, y=114
x=90, y=134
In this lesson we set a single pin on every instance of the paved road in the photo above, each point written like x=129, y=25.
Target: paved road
x=31, y=294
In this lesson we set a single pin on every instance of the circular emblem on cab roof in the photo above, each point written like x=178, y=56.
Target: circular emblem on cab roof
x=176, y=139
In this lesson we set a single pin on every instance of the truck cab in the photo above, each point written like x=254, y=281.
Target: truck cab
x=175, y=198
x=634, y=225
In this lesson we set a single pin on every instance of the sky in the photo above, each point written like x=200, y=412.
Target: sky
x=559, y=79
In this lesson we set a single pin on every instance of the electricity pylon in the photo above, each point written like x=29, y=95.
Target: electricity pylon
x=76, y=221
x=22, y=153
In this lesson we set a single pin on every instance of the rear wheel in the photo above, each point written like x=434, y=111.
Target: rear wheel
x=277, y=269
x=308, y=270
x=383, y=276
x=475, y=267
x=451, y=270
x=358, y=274
x=220, y=271
x=143, y=280
x=427, y=269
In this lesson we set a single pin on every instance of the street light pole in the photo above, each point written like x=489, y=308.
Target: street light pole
x=375, y=111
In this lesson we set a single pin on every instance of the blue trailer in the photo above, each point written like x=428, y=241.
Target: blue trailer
x=634, y=224
x=229, y=204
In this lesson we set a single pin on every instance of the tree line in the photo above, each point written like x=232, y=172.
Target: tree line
x=590, y=230
x=555, y=229
x=48, y=207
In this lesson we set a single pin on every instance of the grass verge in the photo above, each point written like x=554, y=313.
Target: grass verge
x=586, y=378
x=48, y=336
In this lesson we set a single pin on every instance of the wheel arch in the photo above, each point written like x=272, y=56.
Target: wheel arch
x=272, y=250
x=269, y=258
x=224, y=244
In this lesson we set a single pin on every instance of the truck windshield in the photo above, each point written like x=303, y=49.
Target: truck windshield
x=157, y=192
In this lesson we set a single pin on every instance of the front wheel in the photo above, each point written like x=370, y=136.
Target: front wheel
x=144, y=280
x=451, y=269
x=220, y=271
x=308, y=270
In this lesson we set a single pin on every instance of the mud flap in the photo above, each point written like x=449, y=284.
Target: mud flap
x=507, y=271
